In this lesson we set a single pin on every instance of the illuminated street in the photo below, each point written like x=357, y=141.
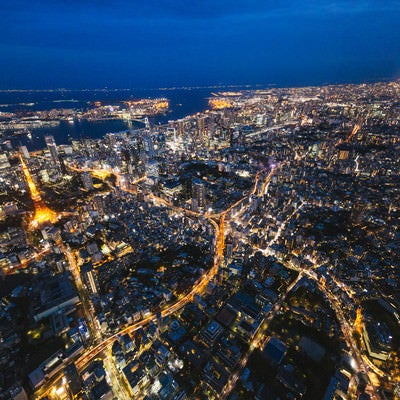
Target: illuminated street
x=247, y=251
x=42, y=213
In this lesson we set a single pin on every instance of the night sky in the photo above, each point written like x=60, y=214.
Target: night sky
x=164, y=43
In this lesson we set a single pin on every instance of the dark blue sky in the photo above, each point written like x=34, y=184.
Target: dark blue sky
x=153, y=43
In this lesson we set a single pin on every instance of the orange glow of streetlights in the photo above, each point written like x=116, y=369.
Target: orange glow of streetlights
x=43, y=214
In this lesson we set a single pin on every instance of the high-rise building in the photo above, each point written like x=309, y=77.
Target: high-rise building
x=4, y=163
x=148, y=147
x=24, y=151
x=195, y=204
x=51, y=145
x=181, y=127
x=89, y=276
x=99, y=204
x=151, y=170
x=73, y=379
x=87, y=180
x=201, y=125
x=229, y=247
x=254, y=202
x=199, y=192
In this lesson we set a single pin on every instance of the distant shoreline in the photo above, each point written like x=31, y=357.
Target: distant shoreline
x=197, y=87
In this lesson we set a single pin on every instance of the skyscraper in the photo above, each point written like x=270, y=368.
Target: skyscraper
x=89, y=276
x=152, y=172
x=51, y=145
x=87, y=180
x=24, y=151
x=198, y=192
x=73, y=379
x=148, y=147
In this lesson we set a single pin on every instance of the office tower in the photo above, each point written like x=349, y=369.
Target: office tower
x=89, y=276
x=229, y=247
x=201, y=125
x=195, y=205
x=73, y=379
x=198, y=192
x=151, y=170
x=148, y=147
x=181, y=127
x=87, y=180
x=99, y=204
x=51, y=145
x=4, y=163
x=24, y=151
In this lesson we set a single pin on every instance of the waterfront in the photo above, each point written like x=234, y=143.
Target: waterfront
x=183, y=101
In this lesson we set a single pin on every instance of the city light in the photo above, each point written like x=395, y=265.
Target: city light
x=261, y=238
x=42, y=214
x=219, y=104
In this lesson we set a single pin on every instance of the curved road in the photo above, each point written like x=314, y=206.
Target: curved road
x=82, y=360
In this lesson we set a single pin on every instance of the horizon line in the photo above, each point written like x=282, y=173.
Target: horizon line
x=211, y=86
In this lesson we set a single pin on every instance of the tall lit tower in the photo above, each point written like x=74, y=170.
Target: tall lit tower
x=198, y=193
x=43, y=214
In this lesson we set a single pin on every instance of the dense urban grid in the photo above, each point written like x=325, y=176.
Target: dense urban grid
x=247, y=252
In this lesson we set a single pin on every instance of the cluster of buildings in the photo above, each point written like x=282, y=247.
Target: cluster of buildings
x=25, y=120
x=181, y=251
